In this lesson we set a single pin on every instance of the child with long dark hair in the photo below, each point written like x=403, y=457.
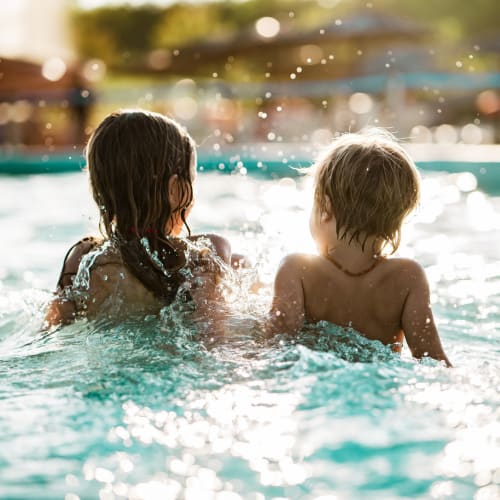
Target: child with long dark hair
x=142, y=167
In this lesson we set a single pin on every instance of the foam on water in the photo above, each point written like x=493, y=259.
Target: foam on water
x=145, y=409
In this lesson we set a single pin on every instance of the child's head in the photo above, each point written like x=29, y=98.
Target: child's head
x=142, y=166
x=369, y=184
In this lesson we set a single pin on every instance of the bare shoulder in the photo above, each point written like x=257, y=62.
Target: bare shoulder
x=407, y=276
x=297, y=265
x=407, y=269
x=73, y=258
x=297, y=262
x=221, y=245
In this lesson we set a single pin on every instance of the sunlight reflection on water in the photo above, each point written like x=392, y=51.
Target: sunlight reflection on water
x=142, y=411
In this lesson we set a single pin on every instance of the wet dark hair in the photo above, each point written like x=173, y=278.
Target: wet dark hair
x=131, y=156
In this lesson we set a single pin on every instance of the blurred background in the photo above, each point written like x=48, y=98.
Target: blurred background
x=246, y=72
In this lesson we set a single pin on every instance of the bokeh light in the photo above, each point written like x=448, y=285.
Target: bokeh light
x=185, y=108
x=54, y=69
x=267, y=27
x=360, y=103
x=21, y=111
x=471, y=134
x=421, y=134
x=159, y=59
x=94, y=70
x=446, y=134
x=310, y=54
x=488, y=102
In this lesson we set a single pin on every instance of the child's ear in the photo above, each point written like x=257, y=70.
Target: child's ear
x=174, y=191
x=327, y=212
x=325, y=217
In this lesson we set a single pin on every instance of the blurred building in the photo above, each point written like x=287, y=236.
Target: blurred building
x=36, y=30
x=44, y=99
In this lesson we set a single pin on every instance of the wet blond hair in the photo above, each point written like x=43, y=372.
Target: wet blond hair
x=369, y=184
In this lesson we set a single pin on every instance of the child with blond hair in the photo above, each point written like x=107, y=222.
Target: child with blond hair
x=365, y=186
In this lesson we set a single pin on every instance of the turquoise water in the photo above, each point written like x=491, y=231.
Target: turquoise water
x=143, y=410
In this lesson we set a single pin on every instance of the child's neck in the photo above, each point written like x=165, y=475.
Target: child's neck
x=354, y=254
x=352, y=259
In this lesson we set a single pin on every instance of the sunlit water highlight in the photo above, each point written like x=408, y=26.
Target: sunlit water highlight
x=143, y=410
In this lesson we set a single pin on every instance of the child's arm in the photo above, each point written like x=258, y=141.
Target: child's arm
x=62, y=310
x=417, y=320
x=223, y=250
x=287, y=312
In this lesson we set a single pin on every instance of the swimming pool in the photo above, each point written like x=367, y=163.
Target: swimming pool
x=142, y=410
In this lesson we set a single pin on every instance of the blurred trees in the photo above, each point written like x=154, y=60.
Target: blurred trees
x=122, y=36
x=183, y=24
x=116, y=34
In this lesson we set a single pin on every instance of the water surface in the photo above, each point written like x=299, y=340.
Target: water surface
x=143, y=409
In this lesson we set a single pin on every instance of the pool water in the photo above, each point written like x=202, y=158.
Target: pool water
x=144, y=410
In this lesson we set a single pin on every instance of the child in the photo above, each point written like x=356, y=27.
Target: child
x=365, y=186
x=142, y=167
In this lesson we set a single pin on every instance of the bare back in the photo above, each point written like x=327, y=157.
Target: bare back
x=96, y=282
x=389, y=303
x=371, y=304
